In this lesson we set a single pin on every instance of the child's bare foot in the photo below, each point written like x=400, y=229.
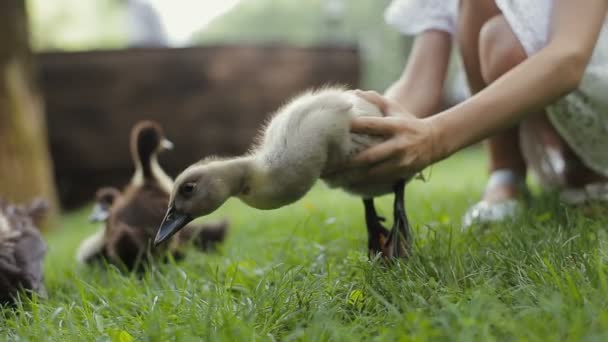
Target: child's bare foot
x=502, y=199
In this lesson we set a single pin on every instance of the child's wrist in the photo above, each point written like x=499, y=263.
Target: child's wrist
x=441, y=144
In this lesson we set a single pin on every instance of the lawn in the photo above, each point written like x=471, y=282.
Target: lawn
x=302, y=273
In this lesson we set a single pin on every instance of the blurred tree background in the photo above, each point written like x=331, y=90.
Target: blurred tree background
x=102, y=24
x=25, y=167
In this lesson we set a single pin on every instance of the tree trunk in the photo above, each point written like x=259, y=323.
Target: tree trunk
x=25, y=165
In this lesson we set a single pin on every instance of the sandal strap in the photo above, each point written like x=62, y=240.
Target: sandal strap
x=506, y=177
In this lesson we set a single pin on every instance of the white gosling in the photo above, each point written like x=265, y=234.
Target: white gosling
x=306, y=140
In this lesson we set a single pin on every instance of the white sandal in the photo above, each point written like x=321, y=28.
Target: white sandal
x=484, y=212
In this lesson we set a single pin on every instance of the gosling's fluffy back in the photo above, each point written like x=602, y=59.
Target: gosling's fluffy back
x=310, y=138
x=313, y=119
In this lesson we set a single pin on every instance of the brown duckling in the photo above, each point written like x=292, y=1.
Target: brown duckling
x=133, y=215
x=205, y=237
x=22, y=249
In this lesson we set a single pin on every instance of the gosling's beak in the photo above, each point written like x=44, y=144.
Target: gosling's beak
x=166, y=144
x=172, y=223
x=98, y=214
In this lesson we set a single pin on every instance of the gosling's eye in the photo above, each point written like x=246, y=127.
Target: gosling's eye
x=187, y=189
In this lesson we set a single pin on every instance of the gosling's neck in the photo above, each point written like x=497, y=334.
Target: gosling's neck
x=147, y=168
x=236, y=174
x=258, y=185
x=245, y=178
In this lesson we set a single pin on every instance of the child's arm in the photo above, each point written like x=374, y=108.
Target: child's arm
x=544, y=77
x=419, y=89
x=553, y=72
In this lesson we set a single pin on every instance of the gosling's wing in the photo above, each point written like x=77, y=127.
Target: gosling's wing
x=127, y=245
x=8, y=265
x=143, y=209
x=30, y=250
x=10, y=274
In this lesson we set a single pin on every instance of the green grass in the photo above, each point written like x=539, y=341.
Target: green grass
x=301, y=273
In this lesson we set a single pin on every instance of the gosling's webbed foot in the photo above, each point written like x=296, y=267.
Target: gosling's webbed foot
x=399, y=243
x=377, y=234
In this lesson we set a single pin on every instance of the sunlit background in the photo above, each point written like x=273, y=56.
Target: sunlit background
x=112, y=24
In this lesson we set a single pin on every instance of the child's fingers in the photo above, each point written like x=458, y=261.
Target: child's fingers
x=375, y=154
x=386, y=169
x=374, y=98
x=372, y=125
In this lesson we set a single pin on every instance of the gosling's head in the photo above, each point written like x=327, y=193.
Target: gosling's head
x=148, y=139
x=198, y=191
x=104, y=198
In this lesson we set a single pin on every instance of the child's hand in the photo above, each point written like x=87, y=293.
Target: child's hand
x=411, y=143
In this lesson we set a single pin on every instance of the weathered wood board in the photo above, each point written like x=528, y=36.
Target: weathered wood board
x=211, y=100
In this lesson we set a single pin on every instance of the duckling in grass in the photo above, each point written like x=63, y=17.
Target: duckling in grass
x=306, y=140
x=92, y=248
x=131, y=217
x=22, y=249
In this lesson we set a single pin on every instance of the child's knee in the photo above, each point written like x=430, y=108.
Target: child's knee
x=499, y=49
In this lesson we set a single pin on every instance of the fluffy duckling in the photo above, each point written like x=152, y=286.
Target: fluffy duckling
x=134, y=213
x=22, y=249
x=132, y=216
x=307, y=139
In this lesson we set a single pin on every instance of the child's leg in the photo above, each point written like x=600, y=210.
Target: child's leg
x=489, y=49
x=499, y=52
x=550, y=157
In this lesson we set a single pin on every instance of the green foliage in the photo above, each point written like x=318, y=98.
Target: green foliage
x=77, y=24
x=306, y=23
x=301, y=273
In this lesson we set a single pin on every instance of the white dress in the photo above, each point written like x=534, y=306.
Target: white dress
x=581, y=117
